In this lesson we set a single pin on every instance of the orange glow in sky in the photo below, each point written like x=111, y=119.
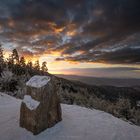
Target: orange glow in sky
x=67, y=67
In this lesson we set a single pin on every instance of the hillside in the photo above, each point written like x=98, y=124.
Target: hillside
x=119, y=101
x=122, y=102
x=78, y=124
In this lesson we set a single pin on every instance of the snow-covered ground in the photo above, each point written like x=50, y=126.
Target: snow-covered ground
x=78, y=124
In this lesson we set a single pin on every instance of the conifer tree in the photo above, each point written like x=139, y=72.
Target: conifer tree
x=9, y=62
x=22, y=62
x=37, y=65
x=15, y=57
x=1, y=55
x=1, y=59
x=44, y=67
x=30, y=65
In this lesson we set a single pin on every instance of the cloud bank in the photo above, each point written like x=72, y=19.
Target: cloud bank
x=105, y=31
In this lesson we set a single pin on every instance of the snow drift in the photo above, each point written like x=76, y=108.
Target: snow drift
x=78, y=124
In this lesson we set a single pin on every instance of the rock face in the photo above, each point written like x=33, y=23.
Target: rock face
x=40, y=108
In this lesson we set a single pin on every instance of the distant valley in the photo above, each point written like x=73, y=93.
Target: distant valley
x=99, y=81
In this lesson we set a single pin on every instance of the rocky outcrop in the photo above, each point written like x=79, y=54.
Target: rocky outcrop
x=40, y=108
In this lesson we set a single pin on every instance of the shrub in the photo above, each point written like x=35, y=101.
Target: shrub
x=8, y=81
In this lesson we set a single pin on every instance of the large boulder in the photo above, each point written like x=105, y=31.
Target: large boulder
x=40, y=108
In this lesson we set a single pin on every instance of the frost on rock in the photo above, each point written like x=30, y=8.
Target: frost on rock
x=30, y=103
x=38, y=81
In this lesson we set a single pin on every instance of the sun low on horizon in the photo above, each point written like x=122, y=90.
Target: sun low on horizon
x=78, y=37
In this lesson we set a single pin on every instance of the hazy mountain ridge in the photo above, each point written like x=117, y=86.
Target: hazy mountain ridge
x=99, y=81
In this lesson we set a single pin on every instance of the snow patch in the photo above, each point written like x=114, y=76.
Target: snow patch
x=38, y=81
x=78, y=124
x=30, y=103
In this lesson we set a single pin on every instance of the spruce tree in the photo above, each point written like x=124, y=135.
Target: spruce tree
x=15, y=56
x=37, y=65
x=22, y=62
x=1, y=55
x=30, y=65
x=1, y=59
x=44, y=67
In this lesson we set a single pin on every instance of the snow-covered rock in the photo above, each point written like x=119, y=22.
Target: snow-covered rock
x=78, y=124
x=38, y=81
x=40, y=108
x=30, y=103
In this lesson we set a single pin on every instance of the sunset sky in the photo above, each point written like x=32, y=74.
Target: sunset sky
x=82, y=37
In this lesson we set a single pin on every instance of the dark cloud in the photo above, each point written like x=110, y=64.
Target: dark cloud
x=104, y=31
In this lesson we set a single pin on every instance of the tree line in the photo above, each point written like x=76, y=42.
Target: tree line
x=18, y=64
